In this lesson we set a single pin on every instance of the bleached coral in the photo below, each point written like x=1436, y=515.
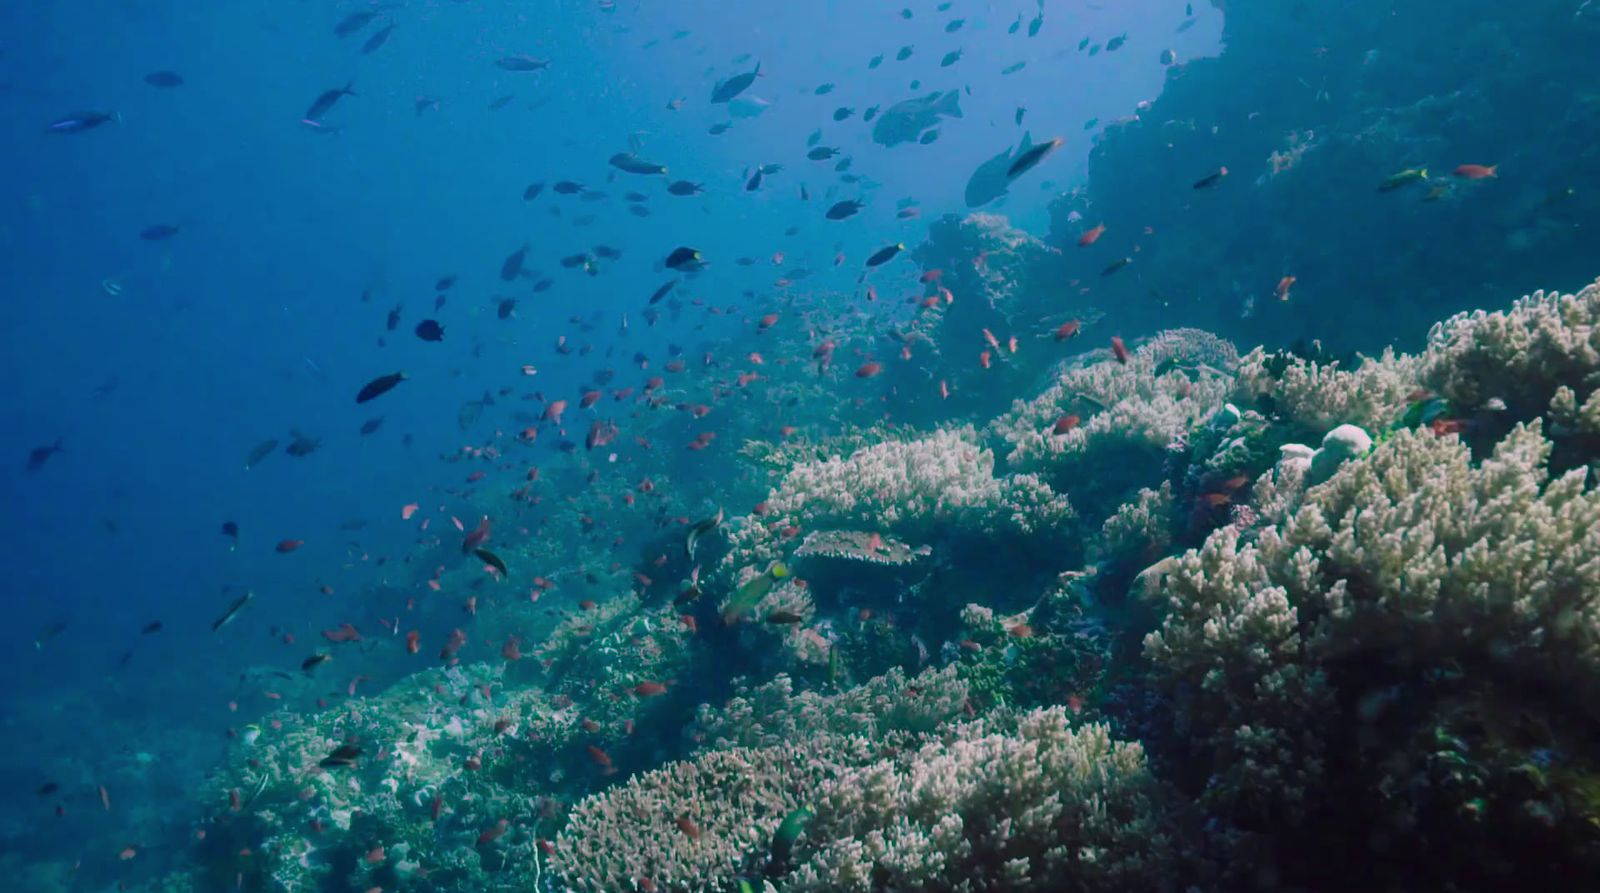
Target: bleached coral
x=997, y=804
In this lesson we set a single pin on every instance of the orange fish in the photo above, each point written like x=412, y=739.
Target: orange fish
x=1284, y=285
x=983, y=359
x=1478, y=171
x=688, y=827
x=588, y=399
x=601, y=759
x=1119, y=350
x=287, y=546
x=766, y=322
x=649, y=689
x=553, y=410
x=869, y=369
x=493, y=832
x=1092, y=236
x=1068, y=329
x=1064, y=424
x=406, y=511
x=944, y=390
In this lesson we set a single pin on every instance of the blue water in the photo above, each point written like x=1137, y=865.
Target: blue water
x=161, y=364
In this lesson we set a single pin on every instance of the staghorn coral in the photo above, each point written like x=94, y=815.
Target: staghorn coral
x=998, y=804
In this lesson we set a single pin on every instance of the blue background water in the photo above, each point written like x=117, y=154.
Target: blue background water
x=251, y=321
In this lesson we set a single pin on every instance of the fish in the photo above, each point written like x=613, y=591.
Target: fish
x=1284, y=284
x=788, y=834
x=393, y=319
x=39, y=455
x=728, y=90
x=885, y=254
x=822, y=90
x=511, y=267
x=1403, y=178
x=842, y=112
x=1035, y=24
x=684, y=258
x=325, y=101
x=627, y=162
x=1116, y=265
x=231, y=531
x=354, y=22
x=284, y=547
x=532, y=191
x=379, y=386
x=476, y=537
x=430, y=330
x=661, y=292
x=1119, y=350
x=753, y=590
x=166, y=80
x=1116, y=43
x=521, y=62
x=844, y=209
x=904, y=53
x=492, y=560
x=698, y=531
x=684, y=187
x=1028, y=160
x=151, y=628
x=990, y=181
x=783, y=617
x=377, y=40
x=822, y=153
x=906, y=121
x=343, y=756
x=78, y=122
x=1211, y=179
x=1091, y=236
x=1477, y=171
x=315, y=660
x=232, y=611
x=50, y=631
x=950, y=59
x=875, y=61
x=1169, y=57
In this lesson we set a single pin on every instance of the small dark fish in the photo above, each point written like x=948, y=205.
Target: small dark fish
x=875, y=61
x=164, y=79
x=684, y=187
x=233, y=610
x=663, y=291
x=158, y=232
x=928, y=138
x=326, y=101
x=607, y=252
x=48, y=788
x=683, y=258
x=393, y=318
x=1014, y=67
x=379, y=386
x=430, y=330
x=444, y=283
x=81, y=121
x=904, y=54
x=567, y=187
x=511, y=267
x=1036, y=24
x=822, y=153
x=1028, y=160
x=841, y=210
x=1211, y=180
x=354, y=22
x=48, y=633
x=869, y=114
x=950, y=59
x=151, y=628
x=1116, y=43
x=39, y=455
x=719, y=128
x=726, y=90
x=754, y=183
x=492, y=560
x=344, y=755
x=371, y=426
x=302, y=445
x=377, y=40
x=261, y=451
x=505, y=308
x=822, y=90
x=954, y=25
x=315, y=660
x=231, y=531
x=521, y=62
x=532, y=192
x=632, y=164
x=698, y=531
x=1020, y=112
x=886, y=254
x=843, y=112
x=1116, y=265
